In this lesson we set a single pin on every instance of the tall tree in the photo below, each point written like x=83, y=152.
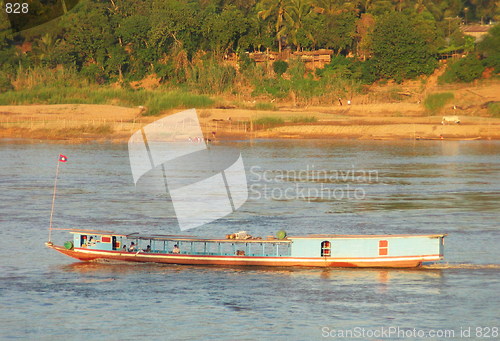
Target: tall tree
x=337, y=31
x=259, y=35
x=5, y=29
x=485, y=10
x=222, y=31
x=45, y=47
x=489, y=47
x=175, y=23
x=425, y=24
x=296, y=13
x=364, y=29
x=88, y=33
x=275, y=11
x=400, y=50
x=332, y=7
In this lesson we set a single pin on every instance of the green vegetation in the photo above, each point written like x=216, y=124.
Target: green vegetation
x=394, y=93
x=464, y=70
x=268, y=122
x=434, y=102
x=277, y=88
x=494, y=109
x=102, y=46
x=400, y=48
x=280, y=67
x=5, y=84
x=303, y=119
x=473, y=65
x=265, y=106
x=154, y=101
x=162, y=101
x=274, y=121
x=490, y=48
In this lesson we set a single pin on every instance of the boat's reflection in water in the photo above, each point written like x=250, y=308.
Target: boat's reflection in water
x=344, y=276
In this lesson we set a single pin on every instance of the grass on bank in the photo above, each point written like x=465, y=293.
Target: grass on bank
x=265, y=106
x=494, y=109
x=275, y=121
x=268, y=122
x=304, y=119
x=435, y=102
x=157, y=103
x=154, y=101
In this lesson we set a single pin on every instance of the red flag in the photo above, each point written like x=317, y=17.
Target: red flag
x=62, y=158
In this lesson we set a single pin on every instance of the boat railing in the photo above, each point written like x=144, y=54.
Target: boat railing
x=201, y=247
x=198, y=253
x=281, y=253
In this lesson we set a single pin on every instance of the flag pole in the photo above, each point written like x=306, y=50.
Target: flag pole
x=53, y=199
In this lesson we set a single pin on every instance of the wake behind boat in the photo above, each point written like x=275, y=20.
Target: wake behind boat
x=319, y=250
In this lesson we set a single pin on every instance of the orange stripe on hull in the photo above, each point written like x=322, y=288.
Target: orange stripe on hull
x=394, y=262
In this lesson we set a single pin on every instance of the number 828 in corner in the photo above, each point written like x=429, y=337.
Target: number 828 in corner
x=16, y=8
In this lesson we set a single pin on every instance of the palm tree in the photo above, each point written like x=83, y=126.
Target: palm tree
x=486, y=9
x=431, y=6
x=295, y=14
x=45, y=46
x=332, y=7
x=275, y=9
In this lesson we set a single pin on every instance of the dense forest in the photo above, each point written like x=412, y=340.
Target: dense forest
x=185, y=43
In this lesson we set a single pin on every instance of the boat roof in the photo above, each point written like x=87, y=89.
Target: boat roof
x=182, y=238
x=187, y=238
x=365, y=236
x=91, y=231
x=202, y=239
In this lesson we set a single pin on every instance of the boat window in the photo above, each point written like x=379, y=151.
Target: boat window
x=383, y=247
x=116, y=244
x=325, y=249
x=83, y=240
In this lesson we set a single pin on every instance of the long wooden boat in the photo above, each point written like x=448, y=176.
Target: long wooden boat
x=319, y=250
x=448, y=138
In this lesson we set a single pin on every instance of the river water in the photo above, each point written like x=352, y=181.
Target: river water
x=344, y=187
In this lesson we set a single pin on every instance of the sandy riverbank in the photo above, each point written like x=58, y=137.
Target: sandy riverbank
x=81, y=123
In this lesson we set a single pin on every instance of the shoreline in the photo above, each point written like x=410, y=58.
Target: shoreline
x=85, y=123
x=279, y=133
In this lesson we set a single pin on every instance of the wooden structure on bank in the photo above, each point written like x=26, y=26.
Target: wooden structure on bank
x=476, y=31
x=312, y=59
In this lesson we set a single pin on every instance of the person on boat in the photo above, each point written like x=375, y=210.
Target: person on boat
x=124, y=247
x=147, y=249
x=176, y=249
x=132, y=247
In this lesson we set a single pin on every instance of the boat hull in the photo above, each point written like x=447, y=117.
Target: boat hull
x=84, y=254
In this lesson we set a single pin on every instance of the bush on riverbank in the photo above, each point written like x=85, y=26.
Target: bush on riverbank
x=494, y=109
x=435, y=102
x=268, y=122
x=304, y=119
x=464, y=70
x=265, y=106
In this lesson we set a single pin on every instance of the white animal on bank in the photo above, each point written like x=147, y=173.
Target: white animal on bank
x=452, y=119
